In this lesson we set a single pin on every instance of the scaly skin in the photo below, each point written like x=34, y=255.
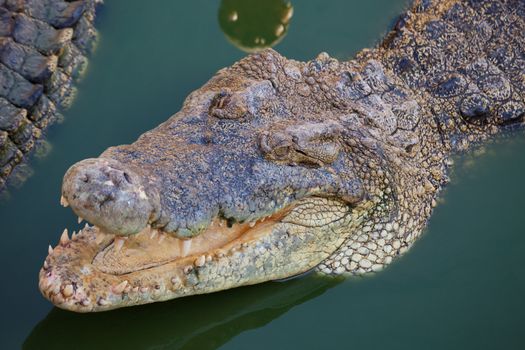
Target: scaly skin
x=345, y=159
x=43, y=49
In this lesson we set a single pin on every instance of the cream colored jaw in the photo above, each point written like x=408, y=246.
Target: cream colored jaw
x=113, y=266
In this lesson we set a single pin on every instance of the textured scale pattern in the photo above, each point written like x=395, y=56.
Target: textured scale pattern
x=463, y=63
x=335, y=166
x=43, y=49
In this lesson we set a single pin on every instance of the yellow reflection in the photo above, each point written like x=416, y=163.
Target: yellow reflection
x=254, y=25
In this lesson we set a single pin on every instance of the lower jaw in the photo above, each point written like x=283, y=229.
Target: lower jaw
x=87, y=273
x=73, y=279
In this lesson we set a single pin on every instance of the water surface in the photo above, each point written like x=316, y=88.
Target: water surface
x=460, y=287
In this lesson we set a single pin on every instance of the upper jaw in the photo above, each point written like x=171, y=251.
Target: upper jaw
x=72, y=279
x=111, y=195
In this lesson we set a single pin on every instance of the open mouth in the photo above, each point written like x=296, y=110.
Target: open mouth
x=96, y=271
x=126, y=259
x=151, y=247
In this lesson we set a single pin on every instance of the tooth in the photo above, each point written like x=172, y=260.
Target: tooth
x=63, y=202
x=49, y=250
x=102, y=302
x=143, y=289
x=86, y=226
x=186, y=245
x=119, y=288
x=264, y=218
x=153, y=234
x=64, y=238
x=46, y=265
x=135, y=289
x=200, y=261
x=118, y=243
x=221, y=223
x=85, y=302
x=74, y=235
x=79, y=220
x=188, y=269
x=161, y=237
x=68, y=290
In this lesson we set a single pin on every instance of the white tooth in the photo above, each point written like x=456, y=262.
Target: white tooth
x=79, y=220
x=68, y=290
x=63, y=202
x=199, y=262
x=252, y=224
x=64, y=238
x=49, y=250
x=153, y=234
x=119, y=288
x=161, y=237
x=85, y=302
x=221, y=223
x=102, y=302
x=118, y=243
x=74, y=235
x=86, y=226
x=264, y=218
x=186, y=245
x=144, y=289
x=46, y=265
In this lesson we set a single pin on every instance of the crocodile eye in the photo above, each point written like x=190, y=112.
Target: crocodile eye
x=282, y=151
x=275, y=145
x=219, y=103
x=220, y=100
x=228, y=105
x=308, y=144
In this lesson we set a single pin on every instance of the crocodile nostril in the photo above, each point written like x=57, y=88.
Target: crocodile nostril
x=128, y=178
x=109, y=195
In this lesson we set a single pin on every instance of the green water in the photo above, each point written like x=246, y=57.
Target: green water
x=460, y=287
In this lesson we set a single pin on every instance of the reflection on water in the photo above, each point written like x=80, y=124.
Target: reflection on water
x=253, y=25
x=200, y=322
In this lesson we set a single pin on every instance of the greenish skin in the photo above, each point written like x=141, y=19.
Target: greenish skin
x=349, y=157
x=44, y=46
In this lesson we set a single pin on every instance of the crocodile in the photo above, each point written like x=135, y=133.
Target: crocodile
x=276, y=167
x=44, y=46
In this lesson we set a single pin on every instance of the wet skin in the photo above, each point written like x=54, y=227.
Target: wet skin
x=275, y=167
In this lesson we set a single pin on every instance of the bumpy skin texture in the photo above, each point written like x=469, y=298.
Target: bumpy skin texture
x=361, y=148
x=43, y=49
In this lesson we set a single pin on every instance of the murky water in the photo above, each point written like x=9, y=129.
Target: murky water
x=460, y=287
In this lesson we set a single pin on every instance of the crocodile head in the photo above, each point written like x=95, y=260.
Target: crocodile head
x=257, y=178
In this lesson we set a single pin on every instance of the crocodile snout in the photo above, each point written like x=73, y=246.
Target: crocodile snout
x=111, y=195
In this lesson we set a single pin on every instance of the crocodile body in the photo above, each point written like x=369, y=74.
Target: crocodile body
x=43, y=49
x=276, y=167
